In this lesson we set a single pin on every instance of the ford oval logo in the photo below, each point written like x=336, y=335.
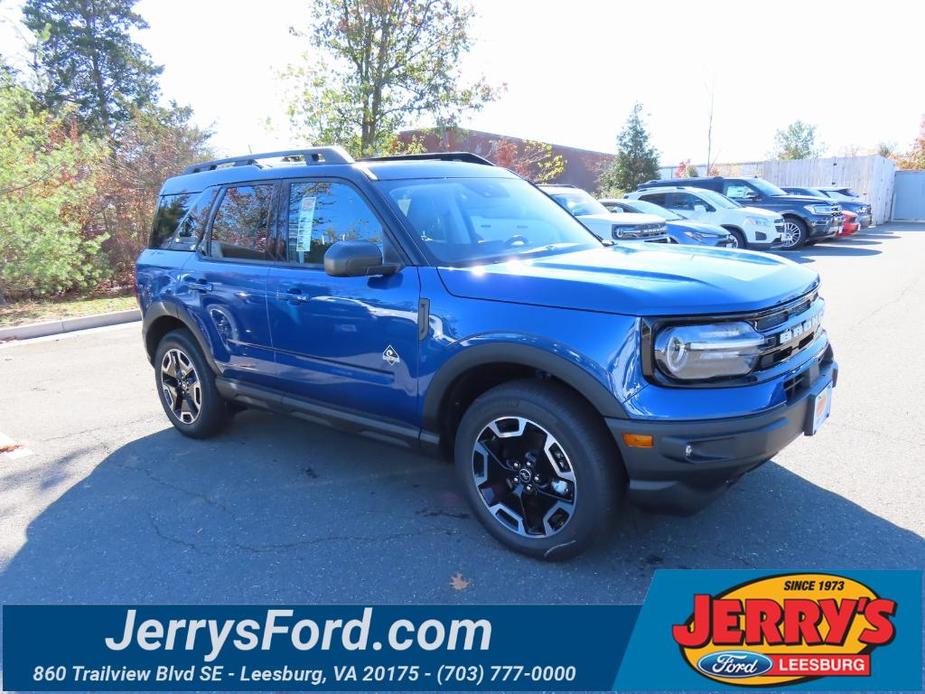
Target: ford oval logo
x=734, y=664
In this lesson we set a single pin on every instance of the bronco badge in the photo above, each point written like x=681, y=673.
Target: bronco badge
x=390, y=356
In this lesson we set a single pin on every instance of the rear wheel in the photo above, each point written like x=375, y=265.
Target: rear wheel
x=794, y=235
x=538, y=468
x=186, y=385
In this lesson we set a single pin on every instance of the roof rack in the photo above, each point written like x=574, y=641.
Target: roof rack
x=467, y=157
x=310, y=155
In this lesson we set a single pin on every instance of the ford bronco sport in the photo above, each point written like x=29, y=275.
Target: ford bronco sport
x=441, y=303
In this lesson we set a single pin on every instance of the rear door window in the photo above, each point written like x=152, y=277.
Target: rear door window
x=657, y=198
x=240, y=229
x=737, y=191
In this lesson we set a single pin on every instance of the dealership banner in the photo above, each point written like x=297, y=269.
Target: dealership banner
x=712, y=630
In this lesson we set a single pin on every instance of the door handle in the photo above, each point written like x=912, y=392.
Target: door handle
x=294, y=295
x=196, y=284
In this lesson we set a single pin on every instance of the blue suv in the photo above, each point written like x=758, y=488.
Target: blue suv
x=441, y=303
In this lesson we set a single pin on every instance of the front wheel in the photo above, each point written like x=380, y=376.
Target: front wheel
x=794, y=235
x=538, y=468
x=738, y=239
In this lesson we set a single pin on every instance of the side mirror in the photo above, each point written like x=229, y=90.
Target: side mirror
x=700, y=208
x=356, y=259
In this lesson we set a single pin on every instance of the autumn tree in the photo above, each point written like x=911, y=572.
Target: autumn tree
x=529, y=159
x=84, y=55
x=914, y=158
x=46, y=180
x=636, y=160
x=373, y=65
x=797, y=141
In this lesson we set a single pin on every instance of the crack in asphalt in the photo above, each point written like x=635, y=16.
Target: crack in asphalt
x=176, y=487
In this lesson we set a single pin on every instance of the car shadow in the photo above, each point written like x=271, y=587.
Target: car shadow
x=280, y=511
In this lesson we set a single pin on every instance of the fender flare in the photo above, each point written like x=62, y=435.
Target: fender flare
x=161, y=309
x=500, y=352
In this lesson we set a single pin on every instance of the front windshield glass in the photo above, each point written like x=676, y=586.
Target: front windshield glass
x=817, y=193
x=646, y=207
x=464, y=221
x=835, y=195
x=578, y=202
x=720, y=202
x=765, y=187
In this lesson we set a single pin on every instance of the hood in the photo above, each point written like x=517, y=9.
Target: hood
x=648, y=279
x=700, y=227
x=623, y=218
x=758, y=212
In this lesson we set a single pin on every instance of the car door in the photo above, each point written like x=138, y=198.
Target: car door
x=225, y=282
x=351, y=342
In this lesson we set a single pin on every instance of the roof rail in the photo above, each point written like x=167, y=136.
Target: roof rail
x=311, y=155
x=467, y=157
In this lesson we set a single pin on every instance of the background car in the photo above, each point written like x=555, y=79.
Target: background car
x=849, y=203
x=850, y=225
x=807, y=219
x=604, y=223
x=749, y=226
x=681, y=230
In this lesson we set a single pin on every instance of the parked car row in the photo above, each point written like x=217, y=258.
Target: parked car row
x=718, y=211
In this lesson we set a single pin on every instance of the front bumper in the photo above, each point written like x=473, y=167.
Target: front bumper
x=692, y=462
x=865, y=220
x=824, y=227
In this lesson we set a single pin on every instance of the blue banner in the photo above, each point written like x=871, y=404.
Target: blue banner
x=847, y=630
x=498, y=647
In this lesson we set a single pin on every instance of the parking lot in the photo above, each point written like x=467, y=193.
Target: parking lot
x=106, y=502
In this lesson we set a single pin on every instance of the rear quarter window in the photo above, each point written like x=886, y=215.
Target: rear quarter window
x=180, y=219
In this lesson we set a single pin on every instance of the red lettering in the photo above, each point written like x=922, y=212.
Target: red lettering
x=881, y=630
x=839, y=617
x=762, y=618
x=801, y=622
x=726, y=629
x=698, y=633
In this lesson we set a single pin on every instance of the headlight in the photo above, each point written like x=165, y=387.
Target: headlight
x=760, y=221
x=695, y=235
x=819, y=209
x=624, y=231
x=695, y=352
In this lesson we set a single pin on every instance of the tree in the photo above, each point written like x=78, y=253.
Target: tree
x=46, y=181
x=686, y=170
x=84, y=56
x=155, y=143
x=376, y=65
x=530, y=159
x=636, y=160
x=797, y=141
x=915, y=157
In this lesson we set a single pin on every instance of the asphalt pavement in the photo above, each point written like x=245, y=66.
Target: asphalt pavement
x=104, y=502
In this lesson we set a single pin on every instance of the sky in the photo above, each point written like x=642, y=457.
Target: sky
x=573, y=70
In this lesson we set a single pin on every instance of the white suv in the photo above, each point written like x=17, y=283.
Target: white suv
x=749, y=226
x=603, y=223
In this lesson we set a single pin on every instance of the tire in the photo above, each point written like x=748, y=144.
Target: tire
x=739, y=238
x=191, y=402
x=573, y=503
x=796, y=227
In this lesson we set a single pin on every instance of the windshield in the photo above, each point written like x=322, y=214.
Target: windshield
x=463, y=221
x=578, y=202
x=813, y=191
x=720, y=202
x=765, y=187
x=836, y=195
x=646, y=207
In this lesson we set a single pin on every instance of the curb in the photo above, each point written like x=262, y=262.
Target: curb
x=67, y=325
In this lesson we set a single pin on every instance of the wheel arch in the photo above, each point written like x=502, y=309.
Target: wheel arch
x=479, y=368
x=160, y=318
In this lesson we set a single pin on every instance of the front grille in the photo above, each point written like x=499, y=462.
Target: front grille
x=788, y=329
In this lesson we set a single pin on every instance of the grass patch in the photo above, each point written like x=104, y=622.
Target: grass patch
x=23, y=312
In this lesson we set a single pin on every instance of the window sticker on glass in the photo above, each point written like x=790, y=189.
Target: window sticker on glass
x=306, y=219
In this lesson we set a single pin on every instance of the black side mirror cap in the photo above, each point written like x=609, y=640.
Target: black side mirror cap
x=356, y=259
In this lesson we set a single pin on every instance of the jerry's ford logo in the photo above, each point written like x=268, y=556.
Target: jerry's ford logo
x=734, y=664
x=784, y=629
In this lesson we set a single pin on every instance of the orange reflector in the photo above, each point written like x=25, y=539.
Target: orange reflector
x=638, y=440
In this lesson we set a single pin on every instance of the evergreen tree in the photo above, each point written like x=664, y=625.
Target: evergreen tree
x=84, y=56
x=636, y=161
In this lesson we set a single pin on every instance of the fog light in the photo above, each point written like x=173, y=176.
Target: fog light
x=638, y=440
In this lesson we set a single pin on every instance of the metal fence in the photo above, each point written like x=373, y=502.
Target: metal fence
x=872, y=176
